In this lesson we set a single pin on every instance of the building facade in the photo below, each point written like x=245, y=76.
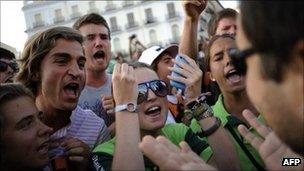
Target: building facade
x=154, y=22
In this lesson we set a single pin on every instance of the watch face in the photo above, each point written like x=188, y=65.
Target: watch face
x=131, y=107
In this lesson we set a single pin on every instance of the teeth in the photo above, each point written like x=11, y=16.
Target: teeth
x=153, y=108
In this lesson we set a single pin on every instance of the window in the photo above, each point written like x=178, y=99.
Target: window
x=113, y=24
x=131, y=21
x=58, y=16
x=38, y=20
x=149, y=15
x=175, y=32
x=116, y=43
x=171, y=10
x=92, y=5
x=153, y=36
x=75, y=12
x=75, y=9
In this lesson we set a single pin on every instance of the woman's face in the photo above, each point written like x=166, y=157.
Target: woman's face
x=25, y=138
x=222, y=70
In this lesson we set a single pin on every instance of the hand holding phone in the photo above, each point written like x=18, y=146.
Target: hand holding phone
x=176, y=84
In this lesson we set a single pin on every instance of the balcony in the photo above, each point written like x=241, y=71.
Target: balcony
x=115, y=29
x=93, y=10
x=75, y=15
x=127, y=3
x=38, y=24
x=172, y=15
x=110, y=7
x=59, y=19
x=150, y=20
x=131, y=25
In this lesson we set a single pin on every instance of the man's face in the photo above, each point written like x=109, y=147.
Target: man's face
x=7, y=72
x=97, y=47
x=24, y=135
x=62, y=75
x=165, y=61
x=281, y=104
x=153, y=111
x=226, y=26
x=222, y=70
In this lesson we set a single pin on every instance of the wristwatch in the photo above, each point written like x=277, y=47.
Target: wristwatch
x=130, y=107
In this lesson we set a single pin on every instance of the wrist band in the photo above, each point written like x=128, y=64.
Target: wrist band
x=212, y=129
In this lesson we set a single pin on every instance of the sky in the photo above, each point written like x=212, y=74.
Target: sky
x=13, y=22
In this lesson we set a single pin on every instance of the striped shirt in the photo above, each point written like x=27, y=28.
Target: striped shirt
x=85, y=126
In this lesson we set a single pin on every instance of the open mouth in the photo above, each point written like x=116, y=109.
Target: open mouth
x=153, y=111
x=99, y=55
x=233, y=76
x=72, y=89
x=43, y=148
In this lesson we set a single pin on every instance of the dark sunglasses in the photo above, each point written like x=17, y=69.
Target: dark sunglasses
x=4, y=65
x=158, y=87
x=238, y=58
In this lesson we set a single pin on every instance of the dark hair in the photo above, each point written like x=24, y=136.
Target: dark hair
x=36, y=48
x=207, y=50
x=216, y=18
x=9, y=92
x=91, y=18
x=6, y=54
x=273, y=28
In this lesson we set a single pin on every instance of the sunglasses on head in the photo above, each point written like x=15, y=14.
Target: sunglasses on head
x=158, y=87
x=238, y=58
x=4, y=65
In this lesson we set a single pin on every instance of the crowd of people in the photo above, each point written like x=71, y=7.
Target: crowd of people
x=241, y=107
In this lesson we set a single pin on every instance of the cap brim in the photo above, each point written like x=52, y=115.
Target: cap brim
x=172, y=49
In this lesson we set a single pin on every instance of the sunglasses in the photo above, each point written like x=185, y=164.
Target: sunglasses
x=238, y=58
x=158, y=87
x=4, y=65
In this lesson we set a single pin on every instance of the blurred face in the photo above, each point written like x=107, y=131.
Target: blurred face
x=25, y=137
x=97, y=47
x=280, y=103
x=153, y=111
x=6, y=71
x=62, y=75
x=222, y=70
x=226, y=26
x=164, y=62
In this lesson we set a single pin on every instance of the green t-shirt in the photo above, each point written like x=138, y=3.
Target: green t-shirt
x=103, y=154
x=230, y=124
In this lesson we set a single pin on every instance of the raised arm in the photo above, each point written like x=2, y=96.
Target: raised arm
x=188, y=43
x=127, y=155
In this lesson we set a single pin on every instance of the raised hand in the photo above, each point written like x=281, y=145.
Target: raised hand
x=193, y=77
x=124, y=84
x=193, y=8
x=170, y=157
x=108, y=104
x=78, y=153
x=269, y=146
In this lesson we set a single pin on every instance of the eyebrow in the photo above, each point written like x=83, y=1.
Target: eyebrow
x=25, y=119
x=218, y=53
x=62, y=54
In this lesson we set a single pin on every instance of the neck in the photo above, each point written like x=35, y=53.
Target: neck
x=95, y=78
x=235, y=103
x=54, y=118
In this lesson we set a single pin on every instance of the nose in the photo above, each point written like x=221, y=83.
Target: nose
x=232, y=31
x=74, y=70
x=151, y=95
x=98, y=42
x=227, y=59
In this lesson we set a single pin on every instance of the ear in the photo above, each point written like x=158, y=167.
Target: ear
x=210, y=76
x=35, y=76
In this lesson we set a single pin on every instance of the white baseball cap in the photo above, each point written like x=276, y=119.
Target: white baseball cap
x=150, y=54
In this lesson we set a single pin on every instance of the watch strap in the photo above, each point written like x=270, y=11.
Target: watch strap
x=213, y=128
